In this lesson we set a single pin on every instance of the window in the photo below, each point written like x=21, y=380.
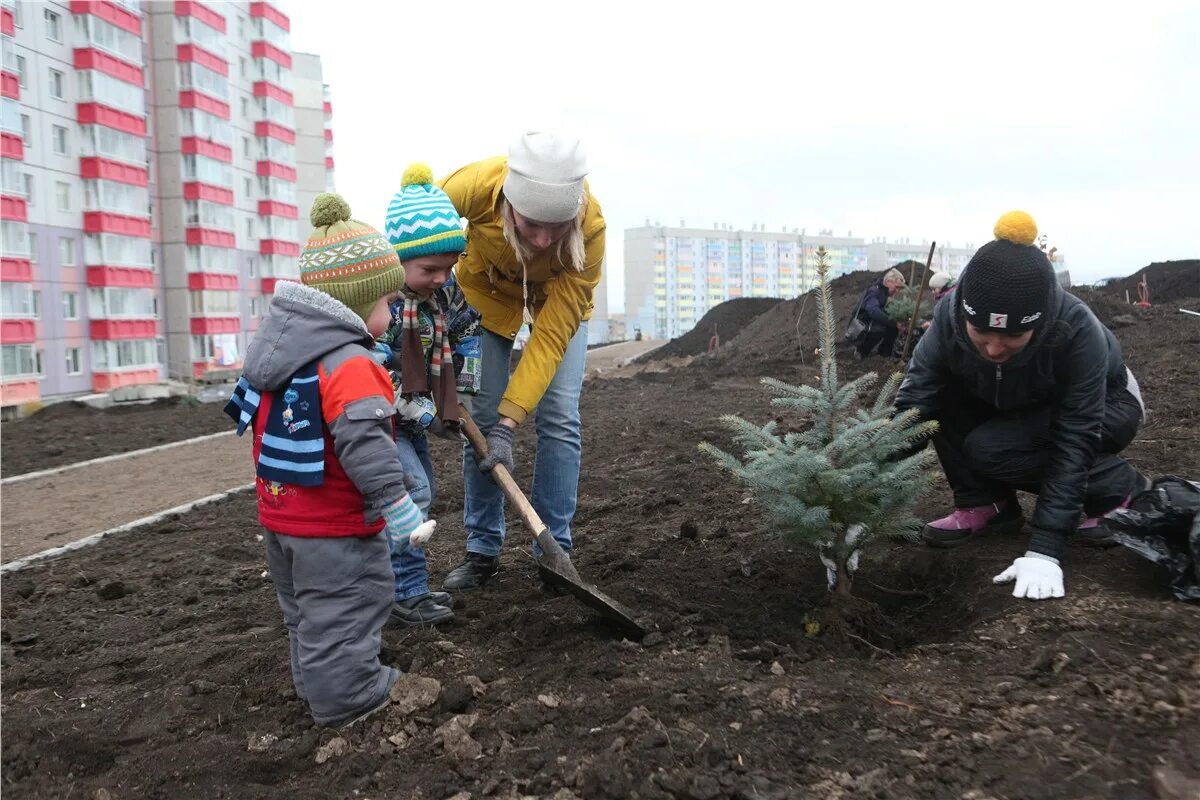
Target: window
x=250, y=229
x=20, y=62
x=57, y=85
x=16, y=299
x=18, y=360
x=112, y=250
x=209, y=215
x=249, y=184
x=246, y=146
x=106, y=36
x=74, y=361
x=37, y=303
x=275, y=150
x=210, y=259
x=27, y=181
x=245, y=107
x=19, y=13
x=33, y=248
x=53, y=25
x=66, y=252
x=206, y=126
x=252, y=267
x=117, y=303
x=242, y=63
x=130, y=354
x=116, y=197
x=70, y=304
x=275, y=266
x=266, y=29
x=276, y=189
x=114, y=92
x=275, y=111
x=253, y=306
x=267, y=70
x=59, y=137
x=12, y=239
x=62, y=195
x=207, y=170
x=202, y=348
x=98, y=140
x=211, y=39
x=213, y=302
x=27, y=131
x=280, y=228
x=39, y=364
x=197, y=76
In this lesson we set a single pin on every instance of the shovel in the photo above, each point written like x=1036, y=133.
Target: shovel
x=555, y=565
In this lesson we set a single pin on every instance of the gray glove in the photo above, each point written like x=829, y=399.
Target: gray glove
x=499, y=445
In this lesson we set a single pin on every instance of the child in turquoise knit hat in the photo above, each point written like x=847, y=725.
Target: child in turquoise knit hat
x=432, y=351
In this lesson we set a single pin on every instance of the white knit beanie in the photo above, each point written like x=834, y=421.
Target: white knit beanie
x=545, y=177
x=939, y=280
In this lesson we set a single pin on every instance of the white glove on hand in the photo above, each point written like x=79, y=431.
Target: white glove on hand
x=1038, y=577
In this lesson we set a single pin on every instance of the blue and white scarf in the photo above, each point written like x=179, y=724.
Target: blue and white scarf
x=293, y=442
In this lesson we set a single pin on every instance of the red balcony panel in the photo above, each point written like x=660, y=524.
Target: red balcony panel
x=262, y=49
x=210, y=238
x=219, y=281
x=267, y=11
x=274, y=208
x=278, y=247
x=123, y=277
x=110, y=329
x=268, y=285
x=213, y=325
x=97, y=114
x=329, y=134
x=272, y=169
x=198, y=55
x=12, y=146
x=107, y=381
x=91, y=58
x=94, y=168
x=328, y=108
x=120, y=224
x=328, y=162
x=10, y=85
x=15, y=209
x=123, y=18
x=8, y=23
x=272, y=130
x=23, y=390
x=195, y=146
x=16, y=270
x=266, y=89
x=190, y=8
x=195, y=190
x=18, y=331
x=211, y=105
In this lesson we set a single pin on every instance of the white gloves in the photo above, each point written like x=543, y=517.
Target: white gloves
x=1038, y=577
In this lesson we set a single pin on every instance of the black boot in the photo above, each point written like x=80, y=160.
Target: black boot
x=420, y=611
x=472, y=573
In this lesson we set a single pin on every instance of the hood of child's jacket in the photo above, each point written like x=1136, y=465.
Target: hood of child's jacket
x=302, y=325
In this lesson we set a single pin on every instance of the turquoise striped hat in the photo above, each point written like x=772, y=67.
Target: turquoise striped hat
x=421, y=220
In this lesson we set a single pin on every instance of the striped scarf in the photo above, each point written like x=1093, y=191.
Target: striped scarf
x=415, y=378
x=293, y=441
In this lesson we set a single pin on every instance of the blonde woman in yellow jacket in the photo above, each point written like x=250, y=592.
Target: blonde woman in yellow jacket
x=535, y=245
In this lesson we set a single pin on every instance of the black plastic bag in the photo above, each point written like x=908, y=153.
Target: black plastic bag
x=1162, y=524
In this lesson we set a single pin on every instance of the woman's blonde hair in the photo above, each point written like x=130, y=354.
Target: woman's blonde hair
x=570, y=250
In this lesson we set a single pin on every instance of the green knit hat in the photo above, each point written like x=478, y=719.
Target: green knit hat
x=347, y=259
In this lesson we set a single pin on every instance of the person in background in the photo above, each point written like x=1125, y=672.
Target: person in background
x=879, y=331
x=1030, y=393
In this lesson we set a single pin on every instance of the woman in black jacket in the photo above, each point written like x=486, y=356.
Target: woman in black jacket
x=1030, y=392
x=879, y=330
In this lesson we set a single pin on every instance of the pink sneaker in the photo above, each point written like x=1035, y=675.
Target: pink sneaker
x=1090, y=531
x=1094, y=522
x=963, y=523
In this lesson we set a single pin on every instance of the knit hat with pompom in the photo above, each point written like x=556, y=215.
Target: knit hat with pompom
x=1009, y=283
x=347, y=259
x=421, y=220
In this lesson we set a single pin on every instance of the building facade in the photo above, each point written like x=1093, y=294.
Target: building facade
x=152, y=149
x=673, y=276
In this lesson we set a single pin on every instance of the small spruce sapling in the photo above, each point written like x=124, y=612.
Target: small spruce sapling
x=849, y=481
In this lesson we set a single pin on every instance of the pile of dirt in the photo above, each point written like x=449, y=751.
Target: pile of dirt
x=64, y=433
x=727, y=320
x=1168, y=282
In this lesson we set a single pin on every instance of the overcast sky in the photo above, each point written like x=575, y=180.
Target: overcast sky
x=924, y=120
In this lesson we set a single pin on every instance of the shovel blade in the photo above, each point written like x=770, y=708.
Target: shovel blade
x=588, y=594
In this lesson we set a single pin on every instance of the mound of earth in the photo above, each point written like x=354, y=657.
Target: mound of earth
x=727, y=320
x=1168, y=281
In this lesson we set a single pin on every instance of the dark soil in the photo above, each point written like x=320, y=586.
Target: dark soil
x=727, y=320
x=65, y=433
x=1168, y=282
x=155, y=664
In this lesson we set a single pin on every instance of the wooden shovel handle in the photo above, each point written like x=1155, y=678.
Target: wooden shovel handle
x=503, y=479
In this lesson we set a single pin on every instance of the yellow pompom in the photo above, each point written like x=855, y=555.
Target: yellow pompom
x=1017, y=227
x=417, y=174
x=327, y=209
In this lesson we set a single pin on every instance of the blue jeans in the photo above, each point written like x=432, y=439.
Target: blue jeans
x=556, y=463
x=409, y=569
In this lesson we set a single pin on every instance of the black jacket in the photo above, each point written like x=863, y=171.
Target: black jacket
x=1072, y=363
x=870, y=307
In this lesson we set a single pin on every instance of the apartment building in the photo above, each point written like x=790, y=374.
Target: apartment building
x=150, y=189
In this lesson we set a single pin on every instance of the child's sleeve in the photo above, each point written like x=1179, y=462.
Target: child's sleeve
x=357, y=405
x=463, y=328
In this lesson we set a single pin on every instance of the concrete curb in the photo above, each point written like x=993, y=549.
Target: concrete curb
x=28, y=476
x=21, y=563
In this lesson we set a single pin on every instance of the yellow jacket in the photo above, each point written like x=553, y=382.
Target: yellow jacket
x=490, y=277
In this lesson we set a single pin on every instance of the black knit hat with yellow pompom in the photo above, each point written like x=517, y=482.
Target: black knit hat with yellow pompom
x=1009, y=283
x=347, y=259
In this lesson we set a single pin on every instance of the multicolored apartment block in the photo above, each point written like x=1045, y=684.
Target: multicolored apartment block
x=151, y=191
